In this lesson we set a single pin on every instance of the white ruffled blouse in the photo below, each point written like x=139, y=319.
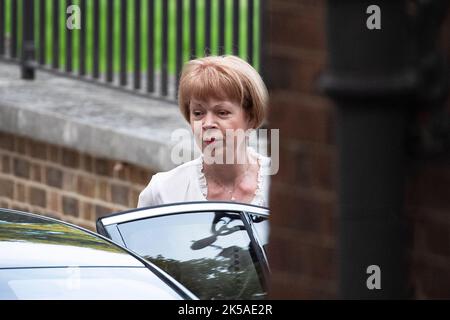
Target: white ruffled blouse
x=187, y=183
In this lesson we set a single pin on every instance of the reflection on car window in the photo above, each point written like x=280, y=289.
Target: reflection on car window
x=22, y=228
x=208, y=252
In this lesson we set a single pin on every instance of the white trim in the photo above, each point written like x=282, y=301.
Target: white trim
x=180, y=208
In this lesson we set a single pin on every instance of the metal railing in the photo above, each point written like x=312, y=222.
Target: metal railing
x=135, y=45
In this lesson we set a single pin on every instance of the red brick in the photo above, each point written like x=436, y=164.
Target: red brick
x=54, y=177
x=324, y=171
x=21, y=145
x=306, y=76
x=70, y=181
x=20, y=194
x=4, y=204
x=21, y=207
x=54, y=153
x=6, y=141
x=305, y=211
x=134, y=198
x=285, y=256
x=70, y=158
x=101, y=211
x=70, y=206
x=437, y=237
x=140, y=176
x=54, y=201
x=303, y=6
x=36, y=172
x=37, y=197
x=37, y=211
x=6, y=164
x=294, y=73
x=428, y=230
x=301, y=117
x=278, y=76
x=295, y=286
x=295, y=165
x=308, y=26
x=87, y=211
x=419, y=214
x=87, y=225
x=104, y=167
x=120, y=194
x=53, y=215
x=6, y=188
x=86, y=186
x=21, y=168
x=428, y=187
x=430, y=281
x=120, y=208
x=38, y=149
x=103, y=191
x=87, y=163
x=289, y=253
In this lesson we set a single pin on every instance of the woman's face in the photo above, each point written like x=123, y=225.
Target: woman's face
x=214, y=120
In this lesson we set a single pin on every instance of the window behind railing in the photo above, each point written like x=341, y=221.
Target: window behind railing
x=137, y=45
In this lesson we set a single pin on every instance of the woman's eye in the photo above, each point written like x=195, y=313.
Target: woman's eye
x=197, y=113
x=224, y=113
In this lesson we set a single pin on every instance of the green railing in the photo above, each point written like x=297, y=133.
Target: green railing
x=137, y=45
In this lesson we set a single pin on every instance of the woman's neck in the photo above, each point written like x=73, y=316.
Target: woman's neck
x=228, y=173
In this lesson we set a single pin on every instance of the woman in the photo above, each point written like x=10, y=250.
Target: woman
x=220, y=97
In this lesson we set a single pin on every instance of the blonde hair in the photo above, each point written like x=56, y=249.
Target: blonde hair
x=224, y=77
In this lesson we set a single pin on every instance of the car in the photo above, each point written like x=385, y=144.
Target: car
x=44, y=258
x=215, y=249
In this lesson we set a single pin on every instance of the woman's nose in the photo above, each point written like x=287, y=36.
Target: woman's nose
x=209, y=121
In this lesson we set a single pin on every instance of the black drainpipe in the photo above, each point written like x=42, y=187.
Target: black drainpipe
x=374, y=78
x=369, y=79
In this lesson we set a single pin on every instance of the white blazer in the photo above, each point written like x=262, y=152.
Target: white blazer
x=187, y=183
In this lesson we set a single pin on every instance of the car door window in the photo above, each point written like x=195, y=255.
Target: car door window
x=208, y=252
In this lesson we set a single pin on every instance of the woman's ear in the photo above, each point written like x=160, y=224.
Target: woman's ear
x=250, y=121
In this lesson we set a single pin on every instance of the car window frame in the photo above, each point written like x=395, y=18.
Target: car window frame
x=254, y=237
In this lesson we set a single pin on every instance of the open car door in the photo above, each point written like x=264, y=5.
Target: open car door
x=215, y=249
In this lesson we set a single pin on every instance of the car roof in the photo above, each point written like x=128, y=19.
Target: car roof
x=29, y=240
x=181, y=207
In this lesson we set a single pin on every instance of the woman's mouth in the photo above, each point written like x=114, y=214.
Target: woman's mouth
x=209, y=141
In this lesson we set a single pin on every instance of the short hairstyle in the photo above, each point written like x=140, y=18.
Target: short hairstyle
x=224, y=77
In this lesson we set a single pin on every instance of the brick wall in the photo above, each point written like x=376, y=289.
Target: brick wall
x=63, y=183
x=303, y=198
x=428, y=216
x=303, y=247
